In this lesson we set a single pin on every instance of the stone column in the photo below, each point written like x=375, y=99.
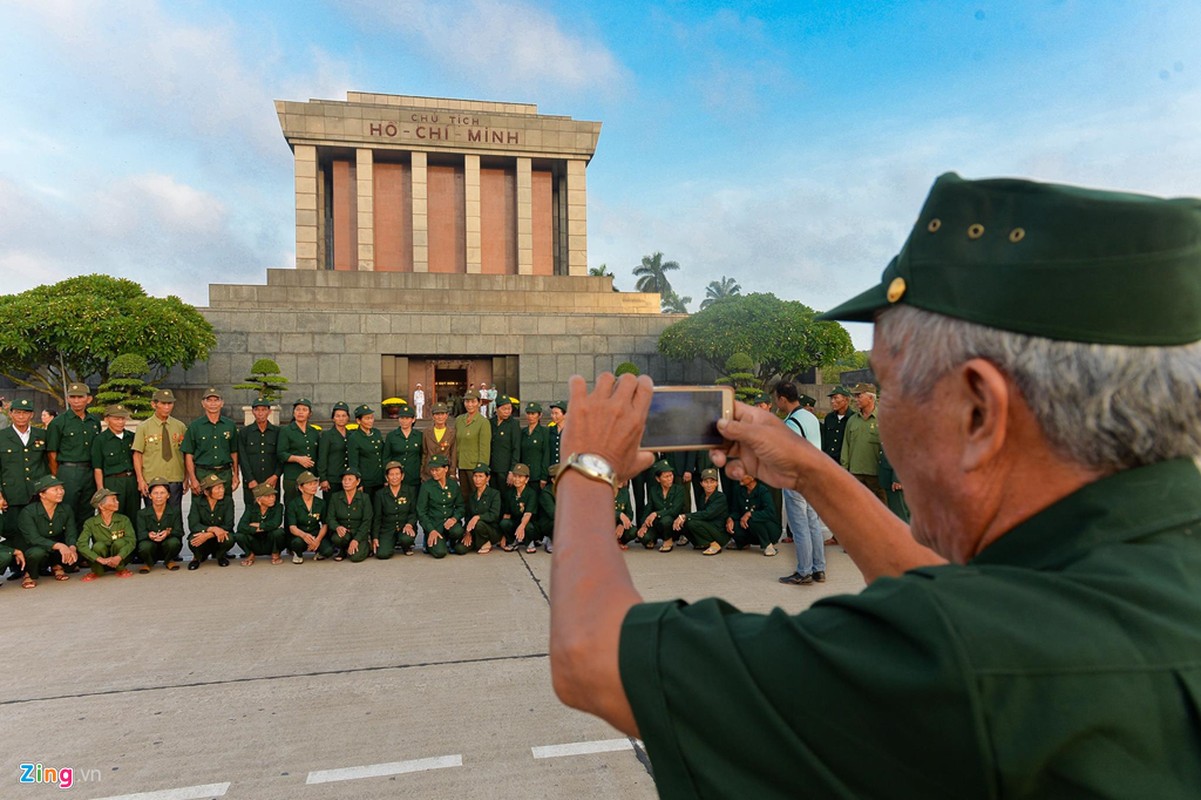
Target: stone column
x=525, y=217
x=421, y=228
x=305, y=156
x=577, y=218
x=365, y=188
x=471, y=187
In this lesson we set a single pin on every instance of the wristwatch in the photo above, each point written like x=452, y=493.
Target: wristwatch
x=590, y=465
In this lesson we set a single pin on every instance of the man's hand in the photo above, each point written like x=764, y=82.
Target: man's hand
x=143, y=488
x=432, y=538
x=20, y=558
x=678, y=522
x=233, y=486
x=759, y=447
x=470, y=526
x=303, y=461
x=467, y=539
x=353, y=547
x=450, y=523
x=609, y=421
x=341, y=530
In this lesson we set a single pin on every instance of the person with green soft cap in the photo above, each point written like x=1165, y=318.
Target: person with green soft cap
x=403, y=445
x=440, y=510
x=665, y=501
x=211, y=523
x=296, y=447
x=506, y=443
x=348, y=515
x=558, y=418
x=518, y=508
x=394, y=512
x=260, y=531
x=473, y=440
x=483, y=512
x=107, y=539
x=258, y=452
x=160, y=528
x=705, y=528
x=365, y=450
x=112, y=460
x=1033, y=633
x=48, y=532
x=332, y=454
x=535, y=445
x=304, y=518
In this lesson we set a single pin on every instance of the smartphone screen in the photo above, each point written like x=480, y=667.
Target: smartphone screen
x=685, y=417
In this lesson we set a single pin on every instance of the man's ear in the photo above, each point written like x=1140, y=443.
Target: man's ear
x=983, y=399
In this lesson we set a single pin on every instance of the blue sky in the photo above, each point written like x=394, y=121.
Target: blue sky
x=787, y=145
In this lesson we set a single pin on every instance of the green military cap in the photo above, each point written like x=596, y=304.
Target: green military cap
x=560, y=404
x=504, y=400
x=533, y=408
x=553, y=469
x=661, y=466
x=440, y=408
x=438, y=461
x=209, y=481
x=393, y=465
x=45, y=482
x=520, y=469
x=840, y=390
x=262, y=490
x=166, y=484
x=260, y=402
x=860, y=388
x=164, y=396
x=303, y=401
x=708, y=473
x=1060, y=262
x=806, y=400
x=22, y=405
x=351, y=471
x=362, y=411
x=211, y=392
x=484, y=468
x=305, y=477
x=407, y=411
x=763, y=397
x=117, y=410
x=101, y=495
x=78, y=390
x=339, y=406
x=471, y=394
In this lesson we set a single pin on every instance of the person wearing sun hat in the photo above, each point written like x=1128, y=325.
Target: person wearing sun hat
x=305, y=521
x=1034, y=632
x=518, y=511
x=438, y=440
x=506, y=442
x=348, y=514
x=112, y=460
x=210, y=445
x=535, y=445
x=159, y=527
x=68, y=448
x=258, y=451
x=48, y=532
x=482, y=513
x=666, y=500
x=403, y=445
x=297, y=446
x=393, y=513
x=22, y=462
x=106, y=540
x=211, y=523
x=473, y=440
x=440, y=510
x=834, y=424
x=332, y=453
x=365, y=451
x=260, y=531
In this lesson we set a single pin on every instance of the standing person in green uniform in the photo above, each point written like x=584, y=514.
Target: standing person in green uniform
x=706, y=527
x=22, y=462
x=107, y=539
x=348, y=515
x=535, y=445
x=893, y=491
x=506, y=443
x=393, y=514
x=473, y=440
x=157, y=449
x=297, y=448
x=47, y=533
x=69, y=450
x=519, y=505
x=482, y=512
x=861, y=441
x=834, y=424
x=112, y=461
x=332, y=453
x=440, y=509
x=258, y=453
x=211, y=523
x=755, y=518
x=665, y=502
x=210, y=447
x=438, y=440
x=160, y=528
x=260, y=531
x=304, y=517
x=558, y=417
x=365, y=448
x=403, y=445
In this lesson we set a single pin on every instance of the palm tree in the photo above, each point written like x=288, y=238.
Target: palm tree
x=720, y=290
x=672, y=303
x=652, y=274
x=600, y=272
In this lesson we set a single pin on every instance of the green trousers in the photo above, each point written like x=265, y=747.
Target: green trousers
x=298, y=546
x=545, y=528
x=104, y=550
x=760, y=532
x=211, y=548
x=508, y=532
x=451, y=541
x=126, y=489
x=79, y=484
x=11, y=530
x=701, y=534
x=166, y=550
x=7, y=557
x=263, y=543
x=341, y=543
x=483, y=532
x=390, y=540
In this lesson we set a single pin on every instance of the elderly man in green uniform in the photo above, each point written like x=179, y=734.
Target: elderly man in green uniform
x=107, y=540
x=258, y=457
x=348, y=515
x=393, y=514
x=1034, y=632
x=482, y=512
x=332, y=453
x=69, y=450
x=535, y=445
x=160, y=528
x=506, y=443
x=157, y=449
x=403, y=445
x=112, y=460
x=834, y=424
x=440, y=510
x=665, y=501
x=48, y=533
x=22, y=462
x=473, y=440
x=260, y=531
x=558, y=416
x=297, y=448
x=861, y=440
x=365, y=449
x=210, y=446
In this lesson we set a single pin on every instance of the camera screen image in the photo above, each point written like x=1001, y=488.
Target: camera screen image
x=683, y=419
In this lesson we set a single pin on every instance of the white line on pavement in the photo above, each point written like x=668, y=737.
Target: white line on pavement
x=380, y=770
x=182, y=793
x=581, y=748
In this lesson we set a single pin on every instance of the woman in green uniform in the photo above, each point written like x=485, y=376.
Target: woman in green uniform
x=706, y=527
x=261, y=528
x=211, y=523
x=664, y=502
x=483, y=512
x=348, y=515
x=304, y=516
x=403, y=445
x=394, y=511
x=519, y=504
x=440, y=509
x=623, y=515
x=48, y=533
x=107, y=539
x=160, y=528
x=366, y=449
x=332, y=456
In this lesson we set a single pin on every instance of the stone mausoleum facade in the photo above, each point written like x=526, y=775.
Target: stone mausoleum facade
x=438, y=241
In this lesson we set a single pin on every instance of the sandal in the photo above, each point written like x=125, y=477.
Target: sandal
x=91, y=576
x=531, y=548
x=143, y=569
x=276, y=558
x=248, y=561
x=28, y=583
x=623, y=545
x=124, y=573
x=667, y=546
x=713, y=549
x=59, y=574
x=508, y=548
x=487, y=548
x=172, y=566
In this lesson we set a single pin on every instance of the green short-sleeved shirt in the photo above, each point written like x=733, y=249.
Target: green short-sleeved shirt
x=70, y=436
x=1063, y=661
x=112, y=454
x=861, y=444
x=211, y=444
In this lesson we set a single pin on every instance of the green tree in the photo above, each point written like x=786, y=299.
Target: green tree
x=720, y=290
x=265, y=380
x=780, y=336
x=627, y=367
x=855, y=361
x=740, y=373
x=652, y=274
x=603, y=272
x=125, y=386
x=72, y=330
x=672, y=303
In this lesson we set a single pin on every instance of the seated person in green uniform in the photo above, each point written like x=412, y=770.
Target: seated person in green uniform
x=107, y=539
x=304, y=517
x=48, y=533
x=160, y=528
x=10, y=555
x=518, y=505
x=753, y=518
x=440, y=510
x=623, y=515
x=483, y=512
x=664, y=502
x=544, y=522
x=394, y=513
x=261, y=529
x=1035, y=632
x=348, y=515
x=706, y=527
x=211, y=523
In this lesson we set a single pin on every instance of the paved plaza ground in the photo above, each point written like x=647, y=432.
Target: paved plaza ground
x=403, y=678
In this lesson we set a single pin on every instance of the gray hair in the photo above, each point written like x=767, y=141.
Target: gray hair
x=1106, y=407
